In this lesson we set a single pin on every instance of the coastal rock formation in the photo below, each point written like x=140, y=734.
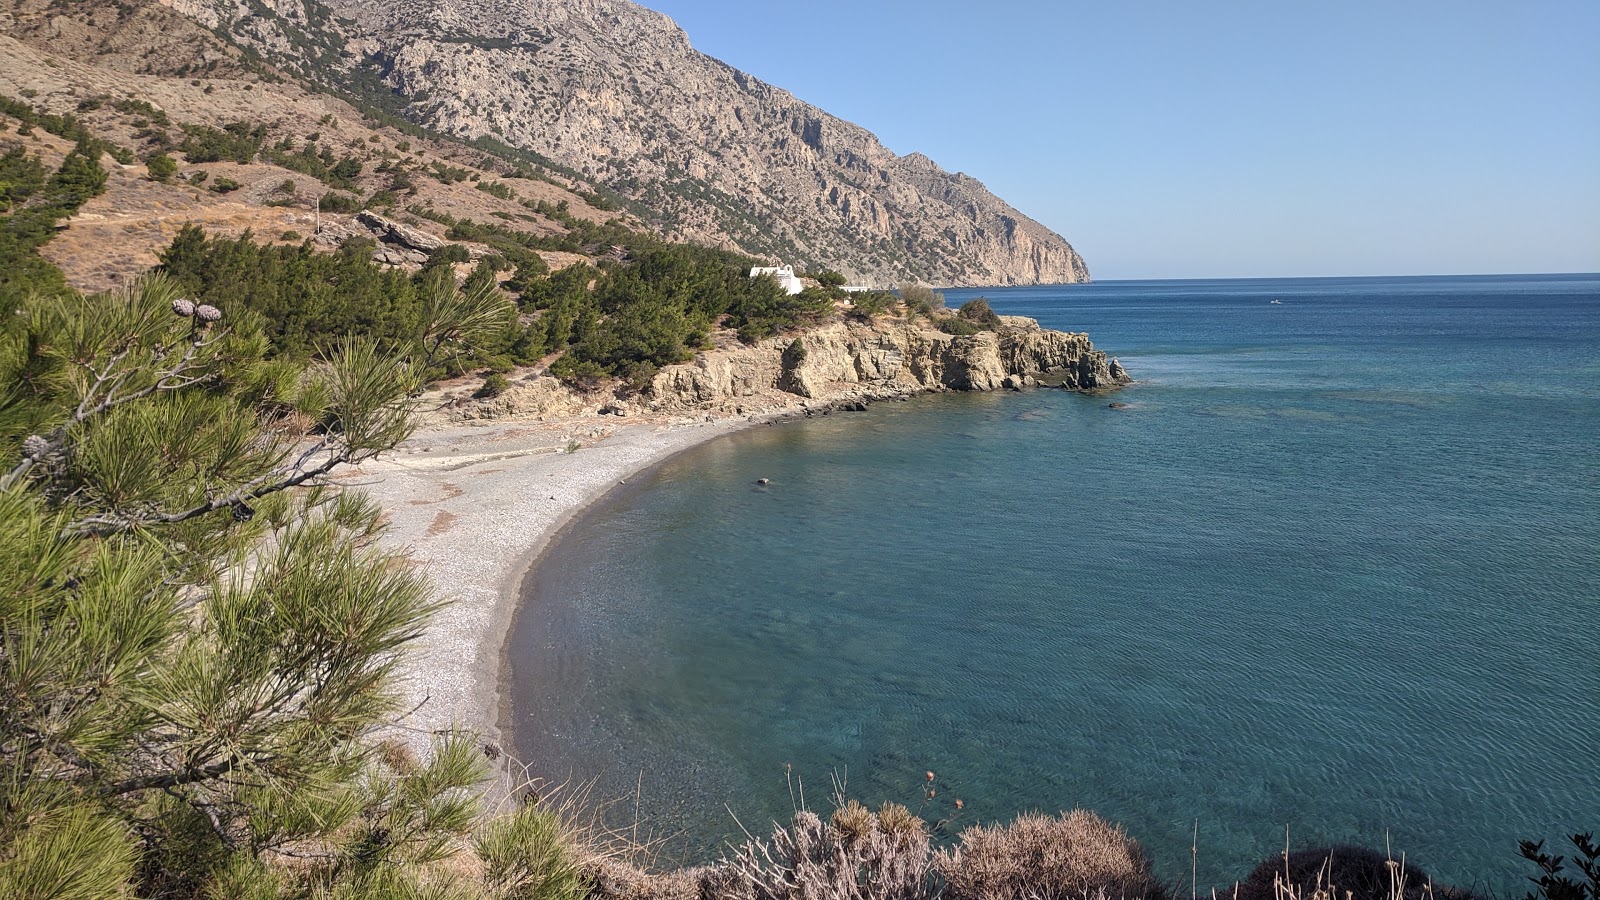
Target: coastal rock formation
x=611, y=93
x=836, y=366
x=886, y=359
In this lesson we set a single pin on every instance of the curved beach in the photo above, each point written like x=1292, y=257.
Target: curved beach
x=473, y=507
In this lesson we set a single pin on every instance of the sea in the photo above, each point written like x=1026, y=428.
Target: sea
x=1332, y=576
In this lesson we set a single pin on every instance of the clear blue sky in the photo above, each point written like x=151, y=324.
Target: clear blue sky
x=1171, y=139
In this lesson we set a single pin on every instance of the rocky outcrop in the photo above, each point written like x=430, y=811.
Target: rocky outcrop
x=887, y=359
x=390, y=231
x=614, y=92
x=839, y=366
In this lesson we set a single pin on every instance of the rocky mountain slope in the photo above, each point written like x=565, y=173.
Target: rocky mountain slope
x=615, y=92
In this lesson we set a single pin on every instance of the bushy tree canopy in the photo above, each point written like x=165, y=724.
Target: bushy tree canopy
x=197, y=628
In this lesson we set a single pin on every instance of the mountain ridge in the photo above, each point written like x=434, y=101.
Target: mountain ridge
x=704, y=151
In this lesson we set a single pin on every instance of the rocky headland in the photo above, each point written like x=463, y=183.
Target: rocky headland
x=842, y=364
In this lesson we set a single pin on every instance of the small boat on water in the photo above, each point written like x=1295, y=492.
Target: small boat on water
x=1276, y=302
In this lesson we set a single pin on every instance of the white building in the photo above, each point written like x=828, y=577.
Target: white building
x=784, y=275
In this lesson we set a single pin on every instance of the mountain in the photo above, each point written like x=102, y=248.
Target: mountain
x=615, y=93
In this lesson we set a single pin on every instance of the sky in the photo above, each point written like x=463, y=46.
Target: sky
x=1229, y=138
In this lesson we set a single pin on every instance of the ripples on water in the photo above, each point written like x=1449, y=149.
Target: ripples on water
x=1336, y=569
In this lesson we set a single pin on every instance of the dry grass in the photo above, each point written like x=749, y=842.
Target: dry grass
x=1039, y=857
x=858, y=855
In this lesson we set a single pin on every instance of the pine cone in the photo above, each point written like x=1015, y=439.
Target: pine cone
x=35, y=447
x=183, y=307
x=207, y=313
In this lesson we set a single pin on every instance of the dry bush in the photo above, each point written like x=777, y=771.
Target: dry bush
x=1039, y=857
x=857, y=855
x=1341, y=873
x=612, y=879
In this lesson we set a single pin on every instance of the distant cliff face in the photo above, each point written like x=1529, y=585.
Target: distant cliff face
x=616, y=92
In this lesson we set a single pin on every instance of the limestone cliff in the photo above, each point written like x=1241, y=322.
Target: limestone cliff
x=888, y=359
x=842, y=363
x=615, y=92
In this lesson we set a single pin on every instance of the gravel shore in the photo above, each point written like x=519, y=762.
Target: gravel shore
x=474, y=507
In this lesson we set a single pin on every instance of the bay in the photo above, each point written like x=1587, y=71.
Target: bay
x=1336, y=569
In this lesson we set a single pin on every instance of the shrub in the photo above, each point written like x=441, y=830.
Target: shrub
x=497, y=189
x=1552, y=884
x=493, y=386
x=450, y=253
x=958, y=326
x=237, y=142
x=290, y=235
x=868, y=304
x=225, y=185
x=979, y=313
x=1068, y=856
x=794, y=354
x=857, y=853
x=920, y=299
x=161, y=167
x=1338, y=873
x=525, y=857
x=335, y=202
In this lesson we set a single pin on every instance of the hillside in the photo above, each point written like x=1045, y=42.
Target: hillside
x=149, y=104
x=614, y=95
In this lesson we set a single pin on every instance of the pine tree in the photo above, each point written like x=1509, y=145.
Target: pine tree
x=197, y=627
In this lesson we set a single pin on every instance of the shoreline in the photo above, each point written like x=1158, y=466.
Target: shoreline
x=476, y=496
x=476, y=507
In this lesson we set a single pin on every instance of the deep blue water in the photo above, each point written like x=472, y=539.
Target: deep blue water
x=1336, y=570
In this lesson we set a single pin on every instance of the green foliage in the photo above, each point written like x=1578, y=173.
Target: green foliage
x=1553, y=883
x=978, y=312
x=830, y=279
x=161, y=167
x=67, y=853
x=33, y=207
x=21, y=176
x=959, y=326
x=236, y=142
x=198, y=632
x=766, y=309
x=526, y=857
x=335, y=202
x=497, y=189
x=493, y=386
x=529, y=269
x=794, y=354
x=225, y=185
x=449, y=174
x=315, y=160
x=143, y=108
x=62, y=126
x=307, y=299
x=450, y=253
x=921, y=300
x=867, y=305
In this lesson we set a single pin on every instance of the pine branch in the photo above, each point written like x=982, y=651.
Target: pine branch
x=170, y=779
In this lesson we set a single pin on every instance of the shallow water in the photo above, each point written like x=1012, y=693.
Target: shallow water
x=1337, y=569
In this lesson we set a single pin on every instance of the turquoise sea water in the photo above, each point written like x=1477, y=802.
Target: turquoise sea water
x=1336, y=570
